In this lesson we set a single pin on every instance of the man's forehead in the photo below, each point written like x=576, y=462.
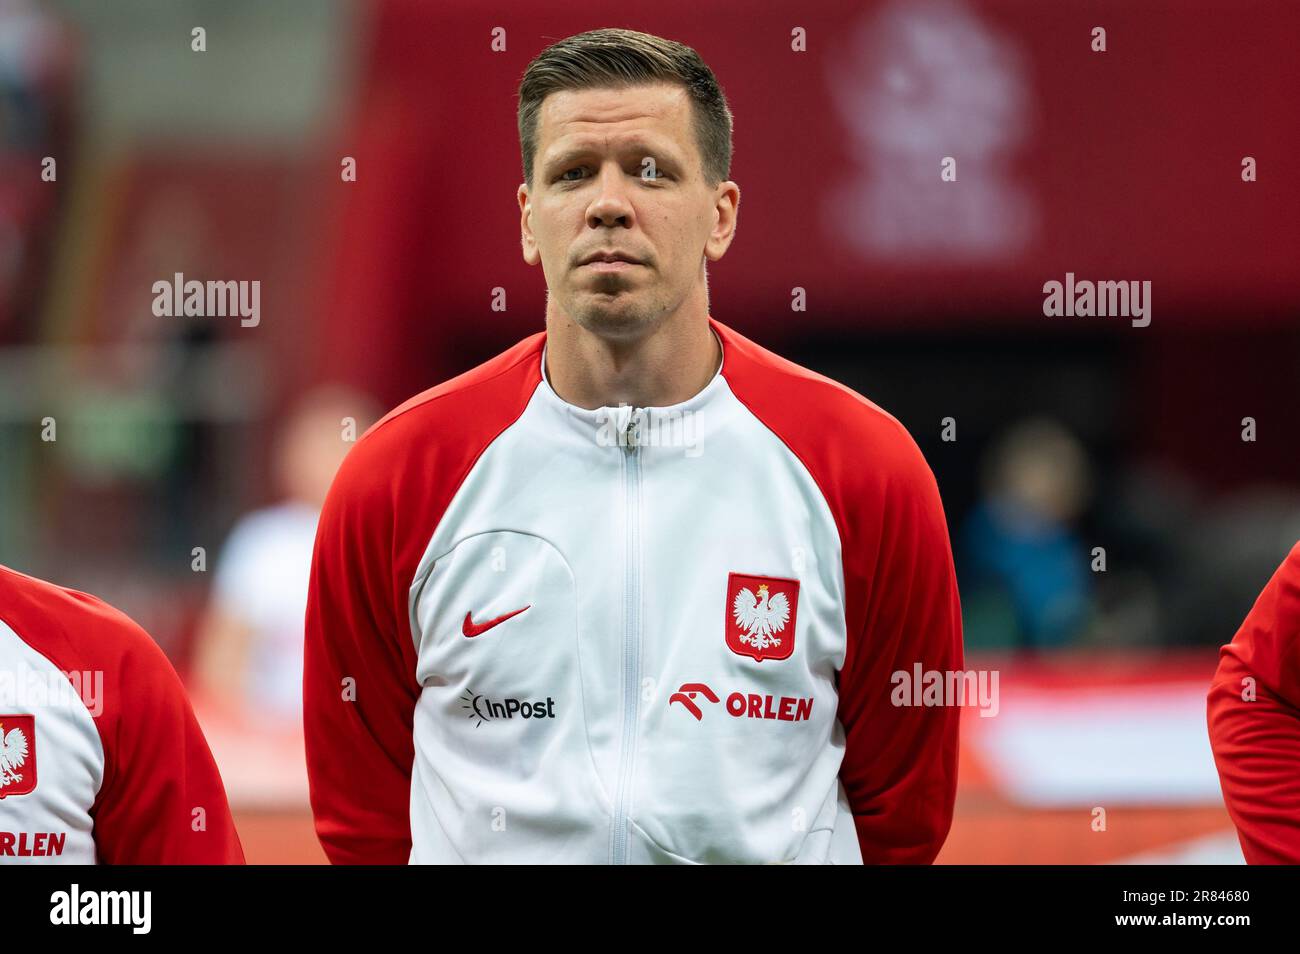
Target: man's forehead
x=598, y=113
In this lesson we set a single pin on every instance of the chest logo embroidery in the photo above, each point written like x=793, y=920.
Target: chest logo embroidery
x=17, y=754
x=760, y=615
x=472, y=629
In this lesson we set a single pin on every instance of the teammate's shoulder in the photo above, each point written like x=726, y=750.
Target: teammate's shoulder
x=1291, y=565
x=800, y=404
x=71, y=628
x=1287, y=581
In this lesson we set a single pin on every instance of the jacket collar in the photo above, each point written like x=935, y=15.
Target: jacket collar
x=646, y=426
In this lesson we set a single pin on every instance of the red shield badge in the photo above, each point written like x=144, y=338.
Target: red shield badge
x=17, y=754
x=760, y=615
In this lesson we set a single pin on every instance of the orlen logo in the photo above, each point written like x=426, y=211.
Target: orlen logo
x=483, y=709
x=752, y=705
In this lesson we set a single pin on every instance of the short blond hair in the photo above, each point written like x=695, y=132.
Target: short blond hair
x=614, y=58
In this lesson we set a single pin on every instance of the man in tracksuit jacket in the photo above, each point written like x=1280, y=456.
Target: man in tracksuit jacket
x=636, y=590
x=1253, y=713
x=101, y=757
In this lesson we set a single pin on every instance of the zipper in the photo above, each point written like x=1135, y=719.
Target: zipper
x=631, y=634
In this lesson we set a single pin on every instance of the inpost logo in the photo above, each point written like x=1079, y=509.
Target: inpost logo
x=482, y=709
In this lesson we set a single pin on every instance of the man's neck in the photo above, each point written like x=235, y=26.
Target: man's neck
x=668, y=366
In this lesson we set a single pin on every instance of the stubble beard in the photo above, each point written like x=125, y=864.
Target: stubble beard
x=616, y=312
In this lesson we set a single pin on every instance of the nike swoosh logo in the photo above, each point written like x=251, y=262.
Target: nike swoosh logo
x=472, y=629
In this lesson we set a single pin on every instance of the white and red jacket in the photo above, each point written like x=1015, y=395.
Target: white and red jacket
x=101, y=758
x=1254, y=721
x=540, y=633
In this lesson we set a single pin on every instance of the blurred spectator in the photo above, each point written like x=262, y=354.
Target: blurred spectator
x=249, y=651
x=37, y=64
x=1025, y=582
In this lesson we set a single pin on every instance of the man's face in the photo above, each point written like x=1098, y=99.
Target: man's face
x=618, y=172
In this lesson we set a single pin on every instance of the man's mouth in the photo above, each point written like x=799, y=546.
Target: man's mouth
x=609, y=261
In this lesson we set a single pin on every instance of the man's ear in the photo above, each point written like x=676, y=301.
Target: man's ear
x=726, y=210
x=529, y=243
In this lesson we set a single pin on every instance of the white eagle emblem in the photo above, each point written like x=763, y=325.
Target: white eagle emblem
x=761, y=617
x=13, y=754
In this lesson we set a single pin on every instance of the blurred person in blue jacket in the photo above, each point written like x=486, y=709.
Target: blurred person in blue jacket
x=1026, y=580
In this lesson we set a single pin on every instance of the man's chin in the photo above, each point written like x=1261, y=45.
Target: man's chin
x=615, y=317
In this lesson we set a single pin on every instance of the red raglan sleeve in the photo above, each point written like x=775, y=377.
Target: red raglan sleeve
x=161, y=801
x=900, y=762
x=359, y=689
x=1253, y=712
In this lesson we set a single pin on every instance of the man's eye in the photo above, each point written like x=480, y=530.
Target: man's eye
x=578, y=173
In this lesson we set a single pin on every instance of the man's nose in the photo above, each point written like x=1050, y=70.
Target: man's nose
x=610, y=206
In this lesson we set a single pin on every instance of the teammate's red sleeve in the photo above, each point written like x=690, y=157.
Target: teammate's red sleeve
x=359, y=688
x=900, y=762
x=161, y=800
x=1256, y=739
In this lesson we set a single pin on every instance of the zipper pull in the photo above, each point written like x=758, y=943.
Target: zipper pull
x=630, y=432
